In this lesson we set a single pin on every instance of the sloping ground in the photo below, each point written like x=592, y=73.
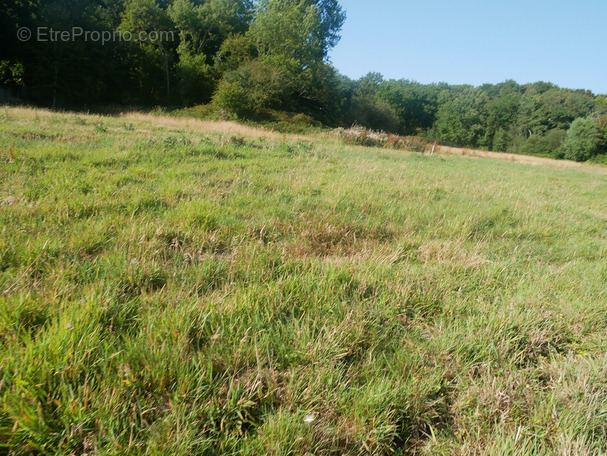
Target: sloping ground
x=229, y=129
x=179, y=289
x=212, y=126
x=516, y=158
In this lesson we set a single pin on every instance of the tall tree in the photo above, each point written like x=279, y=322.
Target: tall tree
x=302, y=30
x=153, y=42
x=295, y=36
x=463, y=120
x=203, y=28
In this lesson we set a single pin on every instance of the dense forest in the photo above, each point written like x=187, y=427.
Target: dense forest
x=267, y=60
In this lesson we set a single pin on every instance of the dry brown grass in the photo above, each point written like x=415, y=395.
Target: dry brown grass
x=449, y=252
x=516, y=158
x=229, y=128
x=29, y=113
x=214, y=126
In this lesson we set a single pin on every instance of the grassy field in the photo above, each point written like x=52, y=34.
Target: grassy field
x=171, y=288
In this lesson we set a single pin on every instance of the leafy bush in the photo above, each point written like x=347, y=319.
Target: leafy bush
x=601, y=124
x=288, y=122
x=231, y=99
x=543, y=145
x=359, y=136
x=501, y=139
x=196, y=79
x=582, y=140
x=252, y=89
x=202, y=111
x=374, y=114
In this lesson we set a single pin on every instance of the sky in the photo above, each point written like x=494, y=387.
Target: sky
x=476, y=42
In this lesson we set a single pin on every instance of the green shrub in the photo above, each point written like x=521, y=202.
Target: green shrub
x=196, y=79
x=501, y=139
x=374, y=114
x=548, y=145
x=252, y=89
x=231, y=99
x=582, y=140
x=202, y=111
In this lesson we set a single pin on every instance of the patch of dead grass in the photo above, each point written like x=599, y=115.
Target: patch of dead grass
x=215, y=126
x=329, y=239
x=518, y=158
x=449, y=252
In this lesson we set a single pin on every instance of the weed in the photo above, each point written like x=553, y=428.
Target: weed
x=100, y=127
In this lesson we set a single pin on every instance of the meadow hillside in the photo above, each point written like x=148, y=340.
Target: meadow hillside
x=173, y=287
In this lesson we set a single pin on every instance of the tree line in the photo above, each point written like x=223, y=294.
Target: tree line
x=268, y=59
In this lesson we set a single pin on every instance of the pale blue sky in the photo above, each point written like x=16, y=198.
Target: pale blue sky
x=474, y=41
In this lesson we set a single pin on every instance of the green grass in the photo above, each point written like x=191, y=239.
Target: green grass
x=168, y=290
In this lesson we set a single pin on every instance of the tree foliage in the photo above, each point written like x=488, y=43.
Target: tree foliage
x=461, y=121
x=253, y=58
x=302, y=30
x=582, y=140
x=252, y=89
